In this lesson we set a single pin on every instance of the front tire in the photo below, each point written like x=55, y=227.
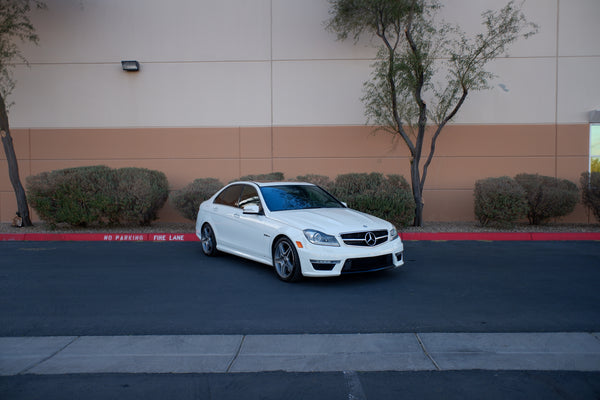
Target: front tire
x=286, y=261
x=209, y=243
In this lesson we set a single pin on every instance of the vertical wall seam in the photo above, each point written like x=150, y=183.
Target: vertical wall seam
x=30, y=172
x=30, y=151
x=271, y=80
x=556, y=90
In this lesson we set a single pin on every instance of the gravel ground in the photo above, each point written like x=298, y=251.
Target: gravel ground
x=164, y=227
x=472, y=226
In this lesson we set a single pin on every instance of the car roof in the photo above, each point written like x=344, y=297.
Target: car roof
x=283, y=183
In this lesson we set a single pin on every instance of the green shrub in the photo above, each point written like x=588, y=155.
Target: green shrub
x=77, y=196
x=398, y=207
x=395, y=180
x=387, y=197
x=187, y=200
x=547, y=197
x=590, y=192
x=499, y=201
x=348, y=185
x=320, y=180
x=140, y=194
x=86, y=195
x=270, y=177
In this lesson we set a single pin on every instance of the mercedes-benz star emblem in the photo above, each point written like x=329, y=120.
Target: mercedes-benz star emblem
x=370, y=239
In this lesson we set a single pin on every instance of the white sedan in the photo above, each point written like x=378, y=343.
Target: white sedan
x=298, y=228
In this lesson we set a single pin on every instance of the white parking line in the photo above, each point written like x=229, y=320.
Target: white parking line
x=355, y=389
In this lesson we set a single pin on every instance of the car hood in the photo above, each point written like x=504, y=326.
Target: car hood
x=330, y=220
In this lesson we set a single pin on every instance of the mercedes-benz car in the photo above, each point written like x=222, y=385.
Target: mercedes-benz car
x=298, y=228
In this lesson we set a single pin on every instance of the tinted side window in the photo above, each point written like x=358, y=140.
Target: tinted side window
x=249, y=196
x=229, y=196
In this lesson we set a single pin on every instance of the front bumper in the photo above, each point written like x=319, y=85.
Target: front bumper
x=322, y=261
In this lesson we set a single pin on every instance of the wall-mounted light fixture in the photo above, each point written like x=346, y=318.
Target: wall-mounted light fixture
x=130, y=66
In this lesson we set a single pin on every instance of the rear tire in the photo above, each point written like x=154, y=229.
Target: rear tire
x=286, y=261
x=209, y=242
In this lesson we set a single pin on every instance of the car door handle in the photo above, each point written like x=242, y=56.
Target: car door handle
x=236, y=215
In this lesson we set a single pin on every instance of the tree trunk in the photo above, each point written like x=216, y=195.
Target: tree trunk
x=417, y=189
x=13, y=166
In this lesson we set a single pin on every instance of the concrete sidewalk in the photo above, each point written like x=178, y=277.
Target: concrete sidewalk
x=299, y=353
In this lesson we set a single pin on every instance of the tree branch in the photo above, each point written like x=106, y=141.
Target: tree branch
x=437, y=134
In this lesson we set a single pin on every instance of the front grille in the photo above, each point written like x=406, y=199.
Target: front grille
x=368, y=263
x=367, y=238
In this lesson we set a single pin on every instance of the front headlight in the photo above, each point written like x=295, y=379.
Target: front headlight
x=320, y=238
x=394, y=233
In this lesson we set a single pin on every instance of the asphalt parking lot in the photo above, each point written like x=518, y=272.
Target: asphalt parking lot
x=97, y=288
x=521, y=317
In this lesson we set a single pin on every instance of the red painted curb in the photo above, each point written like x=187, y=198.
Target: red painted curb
x=100, y=237
x=173, y=237
x=106, y=237
x=5, y=237
x=500, y=236
x=566, y=236
x=406, y=236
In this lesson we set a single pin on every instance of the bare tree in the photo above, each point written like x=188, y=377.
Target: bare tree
x=15, y=26
x=405, y=95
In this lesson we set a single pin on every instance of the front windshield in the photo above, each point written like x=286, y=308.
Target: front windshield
x=297, y=197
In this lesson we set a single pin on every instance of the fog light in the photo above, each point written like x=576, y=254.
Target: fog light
x=399, y=256
x=324, y=265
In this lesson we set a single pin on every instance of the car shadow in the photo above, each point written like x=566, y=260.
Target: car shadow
x=248, y=266
x=362, y=278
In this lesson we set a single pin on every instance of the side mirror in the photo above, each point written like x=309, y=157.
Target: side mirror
x=252, y=209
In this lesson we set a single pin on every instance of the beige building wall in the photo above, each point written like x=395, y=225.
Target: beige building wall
x=466, y=153
x=232, y=87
